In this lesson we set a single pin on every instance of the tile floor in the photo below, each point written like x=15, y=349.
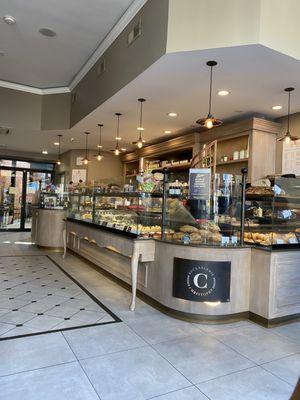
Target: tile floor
x=37, y=296
x=149, y=356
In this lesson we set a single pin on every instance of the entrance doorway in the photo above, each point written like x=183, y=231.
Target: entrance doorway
x=20, y=184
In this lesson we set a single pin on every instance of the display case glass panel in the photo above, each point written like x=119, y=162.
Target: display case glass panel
x=273, y=214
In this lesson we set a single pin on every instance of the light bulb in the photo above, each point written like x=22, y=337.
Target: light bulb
x=140, y=128
x=58, y=162
x=139, y=144
x=117, y=152
x=209, y=123
x=99, y=157
x=287, y=140
x=85, y=161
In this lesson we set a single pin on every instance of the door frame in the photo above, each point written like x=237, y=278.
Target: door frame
x=24, y=193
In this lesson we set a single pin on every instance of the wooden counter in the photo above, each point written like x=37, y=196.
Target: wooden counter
x=47, y=227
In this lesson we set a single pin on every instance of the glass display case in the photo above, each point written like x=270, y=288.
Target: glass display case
x=273, y=214
x=56, y=199
x=135, y=214
x=211, y=221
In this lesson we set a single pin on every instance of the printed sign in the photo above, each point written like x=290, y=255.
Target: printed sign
x=78, y=174
x=199, y=183
x=196, y=280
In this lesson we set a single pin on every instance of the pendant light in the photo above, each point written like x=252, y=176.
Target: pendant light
x=140, y=142
x=99, y=156
x=58, y=158
x=117, y=149
x=210, y=122
x=288, y=138
x=86, y=160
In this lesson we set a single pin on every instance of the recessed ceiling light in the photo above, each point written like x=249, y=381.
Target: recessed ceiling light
x=56, y=144
x=9, y=19
x=277, y=107
x=47, y=32
x=72, y=139
x=44, y=152
x=172, y=114
x=223, y=92
x=167, y=131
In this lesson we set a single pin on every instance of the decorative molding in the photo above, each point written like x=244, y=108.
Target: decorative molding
x=122, y=23
x=34, y=90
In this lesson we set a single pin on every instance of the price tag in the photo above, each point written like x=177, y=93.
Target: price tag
x=109, y=225
x=119, y=227
x=286, y=214
x=293, y=241
x=279, y=241
x=225, y=240
x=234, y=240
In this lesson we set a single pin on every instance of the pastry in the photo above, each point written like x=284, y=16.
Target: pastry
x=188, y=229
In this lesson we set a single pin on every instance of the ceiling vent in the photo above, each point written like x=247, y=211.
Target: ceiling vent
x=101, y=68
x=134, y=33
x=5, y=130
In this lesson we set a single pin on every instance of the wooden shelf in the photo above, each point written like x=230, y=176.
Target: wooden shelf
x=241, y=160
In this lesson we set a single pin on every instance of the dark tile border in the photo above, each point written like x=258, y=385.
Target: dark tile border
x=100, y=304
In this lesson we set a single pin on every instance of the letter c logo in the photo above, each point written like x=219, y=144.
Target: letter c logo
x=196, y=281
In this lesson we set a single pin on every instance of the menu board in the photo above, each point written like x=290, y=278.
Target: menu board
x=199, y=183
x=291, y=158
x=78, y=174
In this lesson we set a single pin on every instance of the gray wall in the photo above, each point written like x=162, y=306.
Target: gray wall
x=124, y=63
x=56, y=111
x=109, y=167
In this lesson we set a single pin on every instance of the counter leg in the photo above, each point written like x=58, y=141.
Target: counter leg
x=134, y=271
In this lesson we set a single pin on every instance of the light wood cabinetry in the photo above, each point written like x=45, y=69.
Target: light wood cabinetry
x=256, y=135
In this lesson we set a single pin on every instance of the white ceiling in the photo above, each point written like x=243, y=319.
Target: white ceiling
x=255, y=76
x=34, y=60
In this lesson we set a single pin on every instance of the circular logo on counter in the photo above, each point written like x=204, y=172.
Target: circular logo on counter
x=201, y=281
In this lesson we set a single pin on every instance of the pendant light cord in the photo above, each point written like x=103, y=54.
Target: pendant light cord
x=100, y=139
x=118, y=130
x=289, y=108
x=86, y=145
x=141, y=120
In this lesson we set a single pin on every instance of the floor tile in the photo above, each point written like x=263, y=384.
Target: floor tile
x=258, y=344
x=88, y=317
x=290, y=331
x=251, y=384
x=62, y=311
x=33, y=352
x=287, y=368
x=61, y=382
x=190, y=393
x=17, y=317
x=159, y=328
x=211, y=328
x=218, y=359
x=99, y=340
x=134, y=374
x=5, y=327
x=43, y=322
x=22, y=330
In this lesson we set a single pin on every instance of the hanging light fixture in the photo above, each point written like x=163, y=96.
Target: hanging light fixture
x=288, y=138
x=58, y=158
x=86, y=160
x=140, y=142
x=117, y=149
x=210, y=122
x=99, y=156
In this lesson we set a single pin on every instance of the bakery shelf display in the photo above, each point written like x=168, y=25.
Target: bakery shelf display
x=273, y=214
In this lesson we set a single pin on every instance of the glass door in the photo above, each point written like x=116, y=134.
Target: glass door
x=11, y=191
x=36, y=182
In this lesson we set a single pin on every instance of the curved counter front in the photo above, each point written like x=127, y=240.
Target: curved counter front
x=47, y=227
